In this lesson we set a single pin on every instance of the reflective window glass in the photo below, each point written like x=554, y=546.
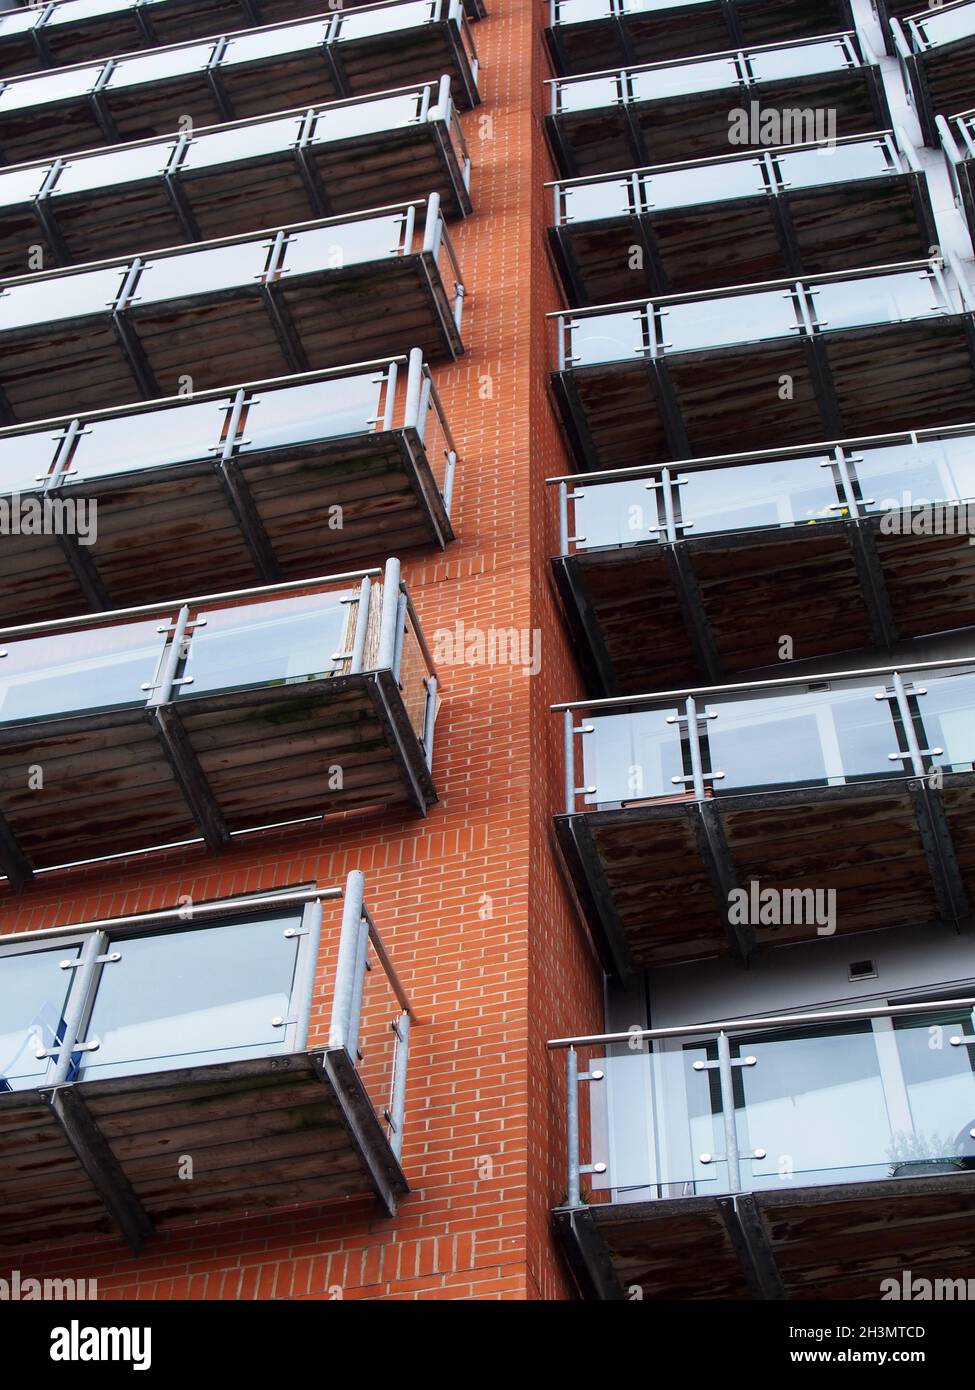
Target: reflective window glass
x=718, y=322
x=33, y=992
x=631, y=758
x=776, y=492
x=896, y=476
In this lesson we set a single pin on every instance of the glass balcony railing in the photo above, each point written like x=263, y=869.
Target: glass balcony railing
x=159, y=191
x=259, y=299
x=334, y=674
x=936, y=50
x=704, y=181
x=943, y=24
x=773, y=1103
x=286, y=1002
x=800, y=733
x=783, y=309
x=744, y=69
x=784, y=489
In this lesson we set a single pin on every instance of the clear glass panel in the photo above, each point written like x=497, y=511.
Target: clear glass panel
x=797, y=60
x=265, y=43
x=361, y=118
x=244, y=142
x=202, y=272
x=614, y=513
x=585, y=202
x=33, y=993
x=589, y=93
x=815, y=1102
x=150, y=439
x=741, y=318
x=90, y=669
x=344, y=243
x=605, y=337
x=940, y=1087
x=385, y=20
x=187, y=998
x=948, y=25
x=116, y=167
x=875, y=299
x=948, y=714
x=20, y=185
x=817, y=736
x=631, y=758
x=576, y=11
x=865, y=159
x=709, y=75
x=706, y=183
x=60, y=297
x=778, y=492
x=18, y=21
x=54, y=86
x=25, y=459
x=320, y=410
x=74, y=11
x=905, y=475
x=262, y=644
x=160, y=64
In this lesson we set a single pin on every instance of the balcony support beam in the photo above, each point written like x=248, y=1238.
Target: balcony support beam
x=190, y=776
x=599, y=894
x=359, y=1119
x=284, y=331
x=755, y=1249
x=662, y=388
x=85, y=571
x=101, y=1166
x=685, y=583
x=13, y=861
x=248, y=520
x=579, y=611
x=939, y=850
x=588, y=1256
x=713, y=845
x=873, y=584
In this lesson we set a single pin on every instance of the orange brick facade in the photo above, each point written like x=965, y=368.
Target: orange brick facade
x=470, y=902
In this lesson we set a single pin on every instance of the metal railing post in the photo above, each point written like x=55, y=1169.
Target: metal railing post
x=726, y=1079
x=361, y=627
x=397, y=1108
x=78, y=1006
x=386, y=659
x=358, y=988
x=450, y=471
x=338, y=1035
x=570, y=762
x=312, y=921
x=432, y=227
x=574, y=1195
x=414, y=382
x=429, y=718
x=161, y=692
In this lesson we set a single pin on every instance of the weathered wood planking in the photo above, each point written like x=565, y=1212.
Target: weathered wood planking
x=681, y=1249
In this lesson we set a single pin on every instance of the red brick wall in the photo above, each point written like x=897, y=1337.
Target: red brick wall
x=469, y=902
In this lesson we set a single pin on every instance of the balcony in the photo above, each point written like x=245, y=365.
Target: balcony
x=212, y=716
x=677, y=376
x=802, y=209
x=297, y=298
x=661, y=113
x=812, y=1156
x=344, y=53
x=584, y=34
x=329, y=160
x=131, y=1044
x=74, y=31
x=711, y=560
x=886, y=10
x=859, y=783
x=274, y=480
x=936, y=49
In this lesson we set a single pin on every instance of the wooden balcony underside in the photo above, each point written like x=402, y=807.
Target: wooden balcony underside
x=210, y=765
x=653, y=878
x=685, y=30
x=264, y=1134
x=347, y=176
x=947, y=73
x=898, y=376
x=306, y=78
x=837, y=1241
x=696, y=126
x=233, y=335
x=169, y=530
x=718, y=606
x=704, y=247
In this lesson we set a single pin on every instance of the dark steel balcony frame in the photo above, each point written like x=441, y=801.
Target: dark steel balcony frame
x=304, y=178
x=48, y=44
x=796, y=576
x=631, y=130
x=621, y=35
x=771, y=1243
x=653, y=874
x=648, y=407
x=295, y=1125
x=166, y=766
x=267, y=509
x=786, y=229
x=212, y=88
x=280, y=322
x=939, y=76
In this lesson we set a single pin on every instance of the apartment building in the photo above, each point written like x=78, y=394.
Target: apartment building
x=486, y=751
